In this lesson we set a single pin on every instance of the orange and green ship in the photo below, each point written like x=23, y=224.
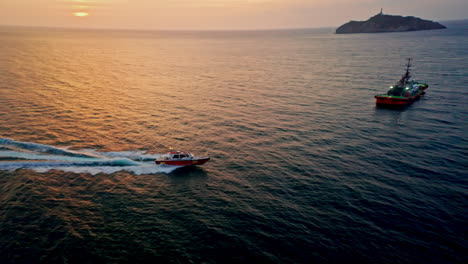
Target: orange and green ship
x=404, y=92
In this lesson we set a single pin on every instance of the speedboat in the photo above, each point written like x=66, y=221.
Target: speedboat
x=404, y=92
x=181, y=158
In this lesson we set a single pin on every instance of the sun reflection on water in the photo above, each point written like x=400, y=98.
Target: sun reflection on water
x=81, y=14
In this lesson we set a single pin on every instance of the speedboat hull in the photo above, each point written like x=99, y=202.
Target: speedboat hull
x=196, y=161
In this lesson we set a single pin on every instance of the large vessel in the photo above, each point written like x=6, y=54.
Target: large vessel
x=181, y=158
x=404, y=92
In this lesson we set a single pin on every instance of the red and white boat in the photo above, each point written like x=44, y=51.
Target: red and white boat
x=181, y=158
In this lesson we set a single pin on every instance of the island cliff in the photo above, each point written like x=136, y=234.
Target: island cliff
x=388, y=23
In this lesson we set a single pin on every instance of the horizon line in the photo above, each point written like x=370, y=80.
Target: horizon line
x=166, y=29
x=187, y=29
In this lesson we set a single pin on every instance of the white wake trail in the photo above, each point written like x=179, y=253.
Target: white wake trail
x=41, y=158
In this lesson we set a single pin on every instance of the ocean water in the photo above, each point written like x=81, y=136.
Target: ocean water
x=305, y=168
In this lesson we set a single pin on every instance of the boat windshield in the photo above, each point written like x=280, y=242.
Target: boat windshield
x=396, y=90
x=178, y=155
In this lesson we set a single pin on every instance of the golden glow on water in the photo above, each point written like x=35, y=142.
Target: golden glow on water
x=81, y=14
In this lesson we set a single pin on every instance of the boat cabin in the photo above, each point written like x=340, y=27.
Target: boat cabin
x=178, y=155
x=410, y=89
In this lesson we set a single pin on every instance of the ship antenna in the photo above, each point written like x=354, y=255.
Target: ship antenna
x=407, y=75
x=408, y=66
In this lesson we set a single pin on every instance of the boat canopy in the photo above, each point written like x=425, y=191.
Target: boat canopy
x=178, y=155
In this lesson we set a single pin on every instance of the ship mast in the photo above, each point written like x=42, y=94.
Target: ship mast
x=407, y=75
x=408, y=66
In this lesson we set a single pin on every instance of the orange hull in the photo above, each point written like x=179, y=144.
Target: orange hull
x=397, y=100
x=383, y=100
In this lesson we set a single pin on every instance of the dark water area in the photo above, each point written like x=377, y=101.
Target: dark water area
x=305, y=168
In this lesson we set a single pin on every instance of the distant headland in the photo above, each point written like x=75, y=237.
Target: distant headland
x=388, y=23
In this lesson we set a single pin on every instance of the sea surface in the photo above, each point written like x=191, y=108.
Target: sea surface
x=305, y=168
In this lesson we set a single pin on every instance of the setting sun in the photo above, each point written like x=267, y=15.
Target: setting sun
x=81, y=14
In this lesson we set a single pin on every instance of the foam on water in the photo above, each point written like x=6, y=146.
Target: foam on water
x=134, y=155
x=42, y=158
x=30, y=146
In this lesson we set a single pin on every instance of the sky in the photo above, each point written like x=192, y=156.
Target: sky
x=216, y=14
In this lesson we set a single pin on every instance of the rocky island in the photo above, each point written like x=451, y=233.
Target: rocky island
x=388, y=23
